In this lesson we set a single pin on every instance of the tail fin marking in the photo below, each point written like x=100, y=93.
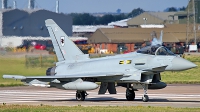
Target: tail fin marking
x=65, y=49
x=57, y=49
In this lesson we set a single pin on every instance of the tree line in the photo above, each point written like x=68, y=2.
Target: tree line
x=88, y=19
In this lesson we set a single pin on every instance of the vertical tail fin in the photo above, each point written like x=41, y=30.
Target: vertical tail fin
x=156, y=41
x=161, y=36
x=65, y=49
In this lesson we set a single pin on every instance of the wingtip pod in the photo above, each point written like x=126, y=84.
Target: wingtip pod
x=14, y=77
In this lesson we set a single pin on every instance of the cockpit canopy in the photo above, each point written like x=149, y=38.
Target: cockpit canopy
x=155, y=50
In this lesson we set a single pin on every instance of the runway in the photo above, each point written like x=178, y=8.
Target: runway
x=171, y=96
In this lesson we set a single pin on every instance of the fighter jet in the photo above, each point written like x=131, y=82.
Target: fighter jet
x=76, y=71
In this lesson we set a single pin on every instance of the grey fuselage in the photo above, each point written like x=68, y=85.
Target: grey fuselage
x=132, y=65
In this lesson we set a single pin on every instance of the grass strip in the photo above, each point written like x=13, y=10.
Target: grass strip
x=79, y=108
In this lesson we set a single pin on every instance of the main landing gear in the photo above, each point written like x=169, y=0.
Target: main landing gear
x=130, y=93
x=80, y=95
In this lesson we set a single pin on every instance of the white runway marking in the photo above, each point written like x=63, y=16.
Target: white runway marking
x=13, y=96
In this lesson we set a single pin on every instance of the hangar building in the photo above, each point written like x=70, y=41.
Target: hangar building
x=153, y=18
x=115, y=38
x=15, y=22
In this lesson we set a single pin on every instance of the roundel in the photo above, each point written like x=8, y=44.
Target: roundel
x=62, y=40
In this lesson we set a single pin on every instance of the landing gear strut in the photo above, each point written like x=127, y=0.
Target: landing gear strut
x=145, y=97
x=80, y=95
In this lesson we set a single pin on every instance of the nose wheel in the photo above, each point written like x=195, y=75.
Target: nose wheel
x=80, y=95
x=145, y=97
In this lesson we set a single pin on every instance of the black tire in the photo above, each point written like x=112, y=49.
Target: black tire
x=145, y=98
x=80, y=96
x=130, y=95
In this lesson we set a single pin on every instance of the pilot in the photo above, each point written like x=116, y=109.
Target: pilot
x=161, y=52
x=153, y=50
x=148, y=52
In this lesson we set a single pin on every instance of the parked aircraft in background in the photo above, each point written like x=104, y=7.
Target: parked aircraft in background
x=76, y=71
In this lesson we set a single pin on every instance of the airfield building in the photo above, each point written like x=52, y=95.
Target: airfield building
x=115, y=39
x=15, y=22
x=154, y=18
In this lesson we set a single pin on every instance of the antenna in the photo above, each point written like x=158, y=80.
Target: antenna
x=31, y=4
x=14, y=5
x=4, y=4
x=57, y=6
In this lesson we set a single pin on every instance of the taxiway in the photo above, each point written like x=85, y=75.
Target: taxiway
x=171, y=96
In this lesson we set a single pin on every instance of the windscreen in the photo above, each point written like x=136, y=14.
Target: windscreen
x=163, y=51
x=155, y=50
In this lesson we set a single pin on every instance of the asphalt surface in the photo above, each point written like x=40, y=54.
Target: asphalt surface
x=171, y=96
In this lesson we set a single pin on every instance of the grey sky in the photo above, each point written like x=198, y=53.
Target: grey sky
x=92, y=6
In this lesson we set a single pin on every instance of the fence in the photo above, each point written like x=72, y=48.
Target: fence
x=40, y=60
x=49, y=60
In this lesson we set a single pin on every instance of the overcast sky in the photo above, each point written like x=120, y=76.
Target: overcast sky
x=92, y=6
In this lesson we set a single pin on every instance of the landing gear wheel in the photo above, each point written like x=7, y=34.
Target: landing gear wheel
x=130, y=94
x=145, y=98
x=80, y=95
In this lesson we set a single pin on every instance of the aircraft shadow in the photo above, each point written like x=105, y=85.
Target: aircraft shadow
x=99, y=99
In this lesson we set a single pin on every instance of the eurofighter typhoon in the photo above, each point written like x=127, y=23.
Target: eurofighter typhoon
x=136, y=70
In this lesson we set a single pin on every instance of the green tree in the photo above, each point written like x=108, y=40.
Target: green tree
x=135, y=12
x=120, y=17
x=106, y=19
x=83, y=19
x=171, y=9
x=182, y=8
x=88, y=19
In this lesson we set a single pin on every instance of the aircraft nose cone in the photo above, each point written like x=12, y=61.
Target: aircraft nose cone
x=179, y=63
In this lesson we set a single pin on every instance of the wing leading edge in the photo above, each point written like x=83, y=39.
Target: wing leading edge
x=82, y=75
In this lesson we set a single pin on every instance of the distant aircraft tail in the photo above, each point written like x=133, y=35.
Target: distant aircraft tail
x=65, y=48
x=160, y=41
x=156, y=41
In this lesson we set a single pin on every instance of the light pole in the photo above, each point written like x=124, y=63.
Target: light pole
x=194, y=23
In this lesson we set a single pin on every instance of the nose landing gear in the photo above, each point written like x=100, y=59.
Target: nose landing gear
x=145, y=97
